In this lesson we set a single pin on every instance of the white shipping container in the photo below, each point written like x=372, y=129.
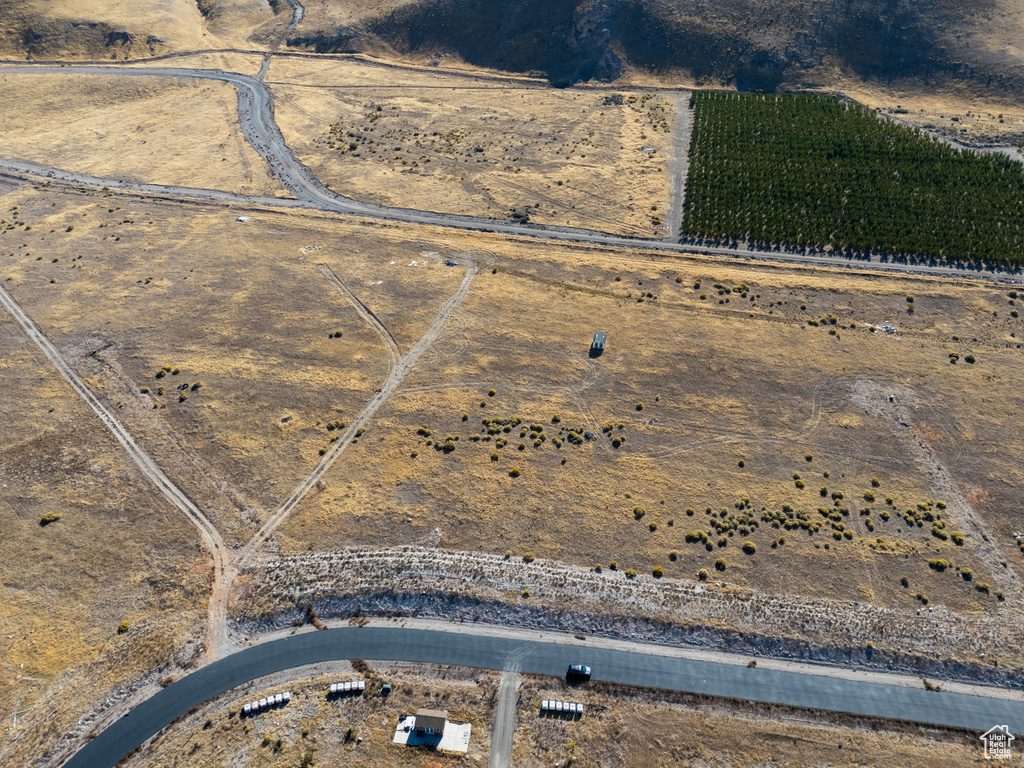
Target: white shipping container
x=279, y=698
x=287, y=696
x=348, y=687
x=558, y=706
x=334, y=687
x=247, y=708
x=579, y=709
x=544, y=704
x=362, y=685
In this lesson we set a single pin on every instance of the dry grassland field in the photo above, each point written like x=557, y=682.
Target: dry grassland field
x=242, y=316
x=455, y=145
x=345, y=730
x=736, y=419
x=734, y=403
x=226, y=61
x=157, y=131
x=629, y=727
x=87, y=544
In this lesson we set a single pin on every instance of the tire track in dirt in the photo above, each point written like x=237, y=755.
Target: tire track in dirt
x=367, y=314
x=217, y=613
x=398, y=373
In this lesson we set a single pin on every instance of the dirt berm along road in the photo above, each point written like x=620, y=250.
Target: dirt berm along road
x=977, y=713
x=256, y=120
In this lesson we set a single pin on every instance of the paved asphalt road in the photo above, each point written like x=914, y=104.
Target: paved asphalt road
x=976, y=713
x=256, y=121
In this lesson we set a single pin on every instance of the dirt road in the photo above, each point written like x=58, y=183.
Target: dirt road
x=256, y=121
x=366, y=314
x=679, y=166
x=398, y=372
x=505, y=720
x=222, y=570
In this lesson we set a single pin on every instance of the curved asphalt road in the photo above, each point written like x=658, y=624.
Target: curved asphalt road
x=256, y=120
x=976, y=713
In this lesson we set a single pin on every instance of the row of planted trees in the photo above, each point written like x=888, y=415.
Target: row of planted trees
x=811, y=170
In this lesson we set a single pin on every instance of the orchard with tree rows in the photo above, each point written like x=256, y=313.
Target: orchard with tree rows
x=813, y=171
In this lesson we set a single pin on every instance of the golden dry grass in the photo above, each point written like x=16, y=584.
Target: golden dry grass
x=243, y=63
x=158, y=131
x=117, y=553
x=313, y=723
x=629, y=728
x=719, y=386
x=237, y=307
x=241, y=308
x=437, y=142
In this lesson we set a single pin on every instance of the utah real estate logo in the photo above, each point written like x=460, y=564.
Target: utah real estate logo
x=997, y=741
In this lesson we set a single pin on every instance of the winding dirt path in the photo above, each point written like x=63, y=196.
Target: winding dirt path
x=298, y=12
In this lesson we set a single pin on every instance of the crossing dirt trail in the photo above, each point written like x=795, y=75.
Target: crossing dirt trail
x=398, y=373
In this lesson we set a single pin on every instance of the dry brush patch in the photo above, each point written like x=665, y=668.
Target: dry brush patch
x=573, y=158
x=277, y=590
x=170, y=131
x=630, y=727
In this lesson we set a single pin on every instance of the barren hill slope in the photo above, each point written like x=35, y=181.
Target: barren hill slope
x=963, y=48
x=752, y=44
x=123, y=29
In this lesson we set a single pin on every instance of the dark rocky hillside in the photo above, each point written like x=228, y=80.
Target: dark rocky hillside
x=750, y=44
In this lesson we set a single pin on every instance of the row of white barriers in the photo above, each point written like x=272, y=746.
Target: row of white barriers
x=354, y=686
x=570, y=708
x=277, y=700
